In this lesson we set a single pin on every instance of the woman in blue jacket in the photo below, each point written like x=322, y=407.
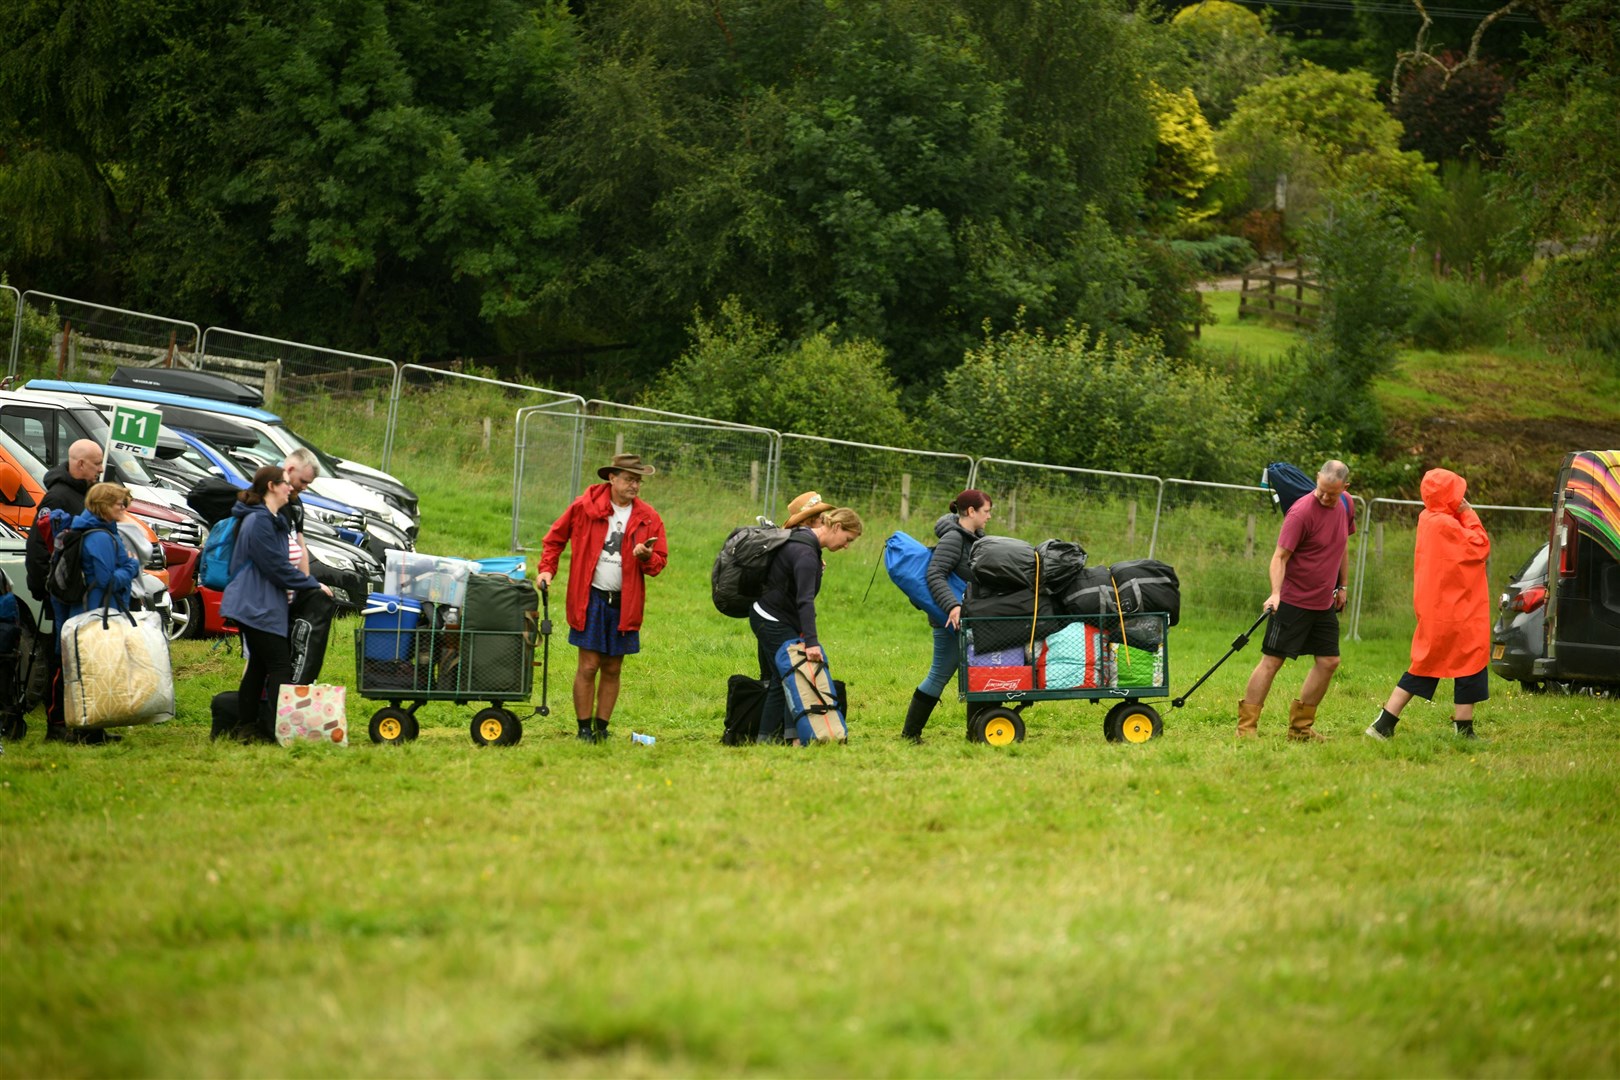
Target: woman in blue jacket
x=109, y=568
x=263, y=579
x=958, y=531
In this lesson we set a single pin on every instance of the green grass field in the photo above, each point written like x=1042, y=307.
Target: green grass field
x=1061, y=907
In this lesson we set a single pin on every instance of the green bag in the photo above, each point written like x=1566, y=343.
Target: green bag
x=497, y=637
x=1136, y=667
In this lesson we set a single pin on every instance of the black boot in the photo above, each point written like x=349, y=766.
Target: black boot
x=1463, y=729
x=600, y=734
x=585, y=734
x=1383, y=727
x=921, y=708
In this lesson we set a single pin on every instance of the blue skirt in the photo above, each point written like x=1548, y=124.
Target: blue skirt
x=602, y=633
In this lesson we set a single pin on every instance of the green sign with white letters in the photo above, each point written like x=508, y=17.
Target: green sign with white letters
x=135, y=430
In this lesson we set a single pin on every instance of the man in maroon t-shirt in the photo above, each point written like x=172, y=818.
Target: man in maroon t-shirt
x=1308, y=573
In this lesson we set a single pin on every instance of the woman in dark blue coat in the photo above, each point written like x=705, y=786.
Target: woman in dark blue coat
x=263, y=577
x=109, y=568
x=957, y=530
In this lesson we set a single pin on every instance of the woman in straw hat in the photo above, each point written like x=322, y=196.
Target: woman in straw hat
x=606, y=591
x=786, y=610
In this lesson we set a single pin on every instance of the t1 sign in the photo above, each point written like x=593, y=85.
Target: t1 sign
x=135, y=430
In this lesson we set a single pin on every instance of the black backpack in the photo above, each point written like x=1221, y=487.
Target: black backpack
x=65, y=578
x=738, y=576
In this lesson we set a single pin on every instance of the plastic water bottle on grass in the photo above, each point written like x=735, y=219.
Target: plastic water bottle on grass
x=644, y=740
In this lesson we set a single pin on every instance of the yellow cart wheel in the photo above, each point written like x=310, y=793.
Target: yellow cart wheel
x=1132, y=722
x=393, y=726
x=1000, y=727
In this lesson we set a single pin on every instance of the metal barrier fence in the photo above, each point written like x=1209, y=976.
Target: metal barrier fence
x=1383, y=591
x=707, y=474
x=1113, y=515
x=421, y=417
x=293, y=372
x=62, y=337
x=891, y=487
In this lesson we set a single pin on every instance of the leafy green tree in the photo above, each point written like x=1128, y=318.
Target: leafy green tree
x=1229, y=49
x=363, y=173
x=881, y=167
x=739, y=369
x=1562, y=163
x=1320, y=130
x=1184, y=163
x=1359, y=245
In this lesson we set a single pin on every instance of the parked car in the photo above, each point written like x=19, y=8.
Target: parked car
x=376, y=493
x=1519, y=637
x=1560, y=616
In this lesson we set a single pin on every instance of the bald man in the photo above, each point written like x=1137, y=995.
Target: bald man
x=1309, y=573
x=65, y=486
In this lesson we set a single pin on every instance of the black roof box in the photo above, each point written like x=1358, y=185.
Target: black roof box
x=202, y=384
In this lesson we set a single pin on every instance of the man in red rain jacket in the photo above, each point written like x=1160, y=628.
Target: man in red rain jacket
x=606, y=590
x=1452, y=597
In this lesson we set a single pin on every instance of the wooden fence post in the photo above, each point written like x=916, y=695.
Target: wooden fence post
x=486, y=434
x=753, y=481
x=1130, y=524
x=1248, y=547
x=62, y=351
x=618, y=443
x=1012, y=511
x=905, y=497
x=1378, y=540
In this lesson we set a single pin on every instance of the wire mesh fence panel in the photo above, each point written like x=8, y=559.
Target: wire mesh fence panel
x=1384, y=571
x=1109, y=514
x=890, y=487
x=60, y=337
x=1220, y=538
x=712, y=473
x=546, y=467
x=294, y=373
x=475, y=424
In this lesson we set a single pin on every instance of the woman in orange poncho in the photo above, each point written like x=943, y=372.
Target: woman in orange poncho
x=1452, y=597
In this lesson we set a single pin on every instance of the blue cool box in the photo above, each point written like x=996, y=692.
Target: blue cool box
x=388, y=620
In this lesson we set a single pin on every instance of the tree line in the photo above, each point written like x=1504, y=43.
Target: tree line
x=584, y=192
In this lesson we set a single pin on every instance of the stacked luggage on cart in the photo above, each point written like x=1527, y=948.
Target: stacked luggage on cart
x=1039, y=624
x=444, y=631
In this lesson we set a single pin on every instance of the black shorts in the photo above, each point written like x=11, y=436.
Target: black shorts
x=1295, y=631
x=1468, y=690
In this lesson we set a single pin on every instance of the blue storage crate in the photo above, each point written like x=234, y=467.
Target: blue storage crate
x=391, y=626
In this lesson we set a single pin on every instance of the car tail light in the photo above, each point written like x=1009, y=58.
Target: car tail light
x=1530, y=599
x=1566, y=550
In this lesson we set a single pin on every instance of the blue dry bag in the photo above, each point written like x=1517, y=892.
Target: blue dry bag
x=906, y=560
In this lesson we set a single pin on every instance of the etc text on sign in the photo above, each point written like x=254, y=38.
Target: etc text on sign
x=135, y=430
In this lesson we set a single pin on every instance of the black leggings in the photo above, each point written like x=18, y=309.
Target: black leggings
x=269, y=665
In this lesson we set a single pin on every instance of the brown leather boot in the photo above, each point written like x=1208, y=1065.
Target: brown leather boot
x=1248, y=720
x=1300, y=718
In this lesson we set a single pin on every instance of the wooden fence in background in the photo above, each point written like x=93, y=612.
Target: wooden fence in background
x=1277, y=291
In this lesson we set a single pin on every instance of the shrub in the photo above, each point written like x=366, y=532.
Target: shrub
x=1217, y=255
x=738, y=369
x=1083, y=400
x=1448, y=314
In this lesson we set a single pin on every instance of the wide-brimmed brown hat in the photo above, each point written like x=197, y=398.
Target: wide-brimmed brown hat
x=805, y=507
x=630, y=463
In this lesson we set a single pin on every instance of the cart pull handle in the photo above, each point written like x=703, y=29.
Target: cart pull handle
x=1241, y=640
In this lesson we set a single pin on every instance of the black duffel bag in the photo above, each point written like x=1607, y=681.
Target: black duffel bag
x=1005, y=633
x=1137, y=586
x=1061, y=563
x=1002, y=564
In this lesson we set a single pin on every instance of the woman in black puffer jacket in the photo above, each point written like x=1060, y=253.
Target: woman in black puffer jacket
x=957, y=532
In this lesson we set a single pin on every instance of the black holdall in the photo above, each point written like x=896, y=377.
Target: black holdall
x=745, y=704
